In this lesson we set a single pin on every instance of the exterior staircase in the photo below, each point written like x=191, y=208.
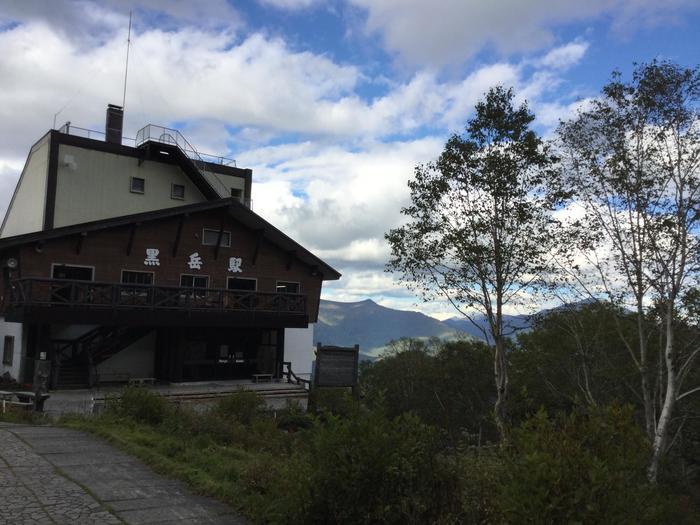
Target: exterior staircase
x=73, y=374
x=76, y=360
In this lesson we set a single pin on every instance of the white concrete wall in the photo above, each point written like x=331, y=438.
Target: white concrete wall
x=299, y=349
x=25, y=213
x=95, y=185
x=15, y=330
x=136, y=360
x=222, y=184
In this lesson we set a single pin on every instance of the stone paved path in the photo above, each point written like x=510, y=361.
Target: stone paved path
x=60, y=476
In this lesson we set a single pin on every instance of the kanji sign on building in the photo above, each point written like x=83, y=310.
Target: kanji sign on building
x=195, y=262
x=234, y=264
x=152, y=257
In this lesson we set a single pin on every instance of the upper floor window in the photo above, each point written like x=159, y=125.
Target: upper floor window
x=138, y=185
x=242, y=283
x=210, y=238
x=237, y=193
x=287, y=287
x=177, y=191
x=8, y=350
x=194, y=281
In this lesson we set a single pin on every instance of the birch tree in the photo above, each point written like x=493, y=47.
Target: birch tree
x=633, y=162
x=480, y=226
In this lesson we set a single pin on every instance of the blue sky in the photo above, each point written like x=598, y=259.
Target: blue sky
x=331, y=104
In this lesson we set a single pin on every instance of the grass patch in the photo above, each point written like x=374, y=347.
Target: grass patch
x=213, y=451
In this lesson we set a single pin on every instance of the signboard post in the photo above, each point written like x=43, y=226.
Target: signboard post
x=337, y=367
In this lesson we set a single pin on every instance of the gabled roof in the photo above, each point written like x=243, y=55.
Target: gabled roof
x=236, y=210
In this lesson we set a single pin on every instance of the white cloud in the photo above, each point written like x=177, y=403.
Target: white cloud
x=291, y=5
x=350, y=198
x=92, y=22
x=447, y=31
x=565, y=56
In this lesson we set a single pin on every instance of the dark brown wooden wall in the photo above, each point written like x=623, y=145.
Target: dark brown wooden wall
x=106, y=250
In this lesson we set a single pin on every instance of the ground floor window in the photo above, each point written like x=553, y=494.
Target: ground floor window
x=8, y=350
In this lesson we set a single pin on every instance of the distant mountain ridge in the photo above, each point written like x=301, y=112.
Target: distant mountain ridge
x=512, y=324
x=372, y=326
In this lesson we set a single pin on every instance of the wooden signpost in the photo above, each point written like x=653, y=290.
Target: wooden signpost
x=336, y=367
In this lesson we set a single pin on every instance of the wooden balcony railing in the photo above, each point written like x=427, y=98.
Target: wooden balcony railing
x=60, y=293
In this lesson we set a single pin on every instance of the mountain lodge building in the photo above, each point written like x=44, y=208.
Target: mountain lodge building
x=146, y=260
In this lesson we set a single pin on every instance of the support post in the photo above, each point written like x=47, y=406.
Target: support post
x=178, y=235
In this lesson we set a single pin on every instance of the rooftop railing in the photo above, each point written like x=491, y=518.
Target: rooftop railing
x=153, y=133
x=156, y=133
x=76, y=131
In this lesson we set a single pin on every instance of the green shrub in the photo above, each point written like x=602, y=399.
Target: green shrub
x=581, y=468
x=367, y=469
x=294, y=418
x=243, y=406
x=481, y=471
x=337, y=401
x=141, y=405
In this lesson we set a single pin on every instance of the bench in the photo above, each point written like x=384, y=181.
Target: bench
x=141, y=381
x=259, y=378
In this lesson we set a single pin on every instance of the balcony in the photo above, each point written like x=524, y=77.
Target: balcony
x=66, y=301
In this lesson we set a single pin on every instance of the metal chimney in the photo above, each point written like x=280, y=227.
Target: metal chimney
x=114, y=124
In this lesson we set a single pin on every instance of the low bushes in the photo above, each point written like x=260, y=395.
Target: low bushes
x=360, y=466
x=365, y=468
x=585, y=467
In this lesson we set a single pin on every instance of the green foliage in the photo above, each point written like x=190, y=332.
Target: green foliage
x=141, y=405
x=449, y=387
x=481, y=471
x=587, y=467
x=294, y=417
x=368, y=469
x=243, y=406
x=21, y=415
x=574, y=356
x=336, y=401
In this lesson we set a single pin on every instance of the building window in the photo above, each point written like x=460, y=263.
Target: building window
x=194, y=281
x=8, y=350
x=287, y=287
x=237, y=193
x=73, y=273
x=241, y=283
x=210, y=237
x=132, y=277
x=177, y=191
x=138, y=185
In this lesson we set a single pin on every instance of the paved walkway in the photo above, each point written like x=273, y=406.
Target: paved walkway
x=60, y=476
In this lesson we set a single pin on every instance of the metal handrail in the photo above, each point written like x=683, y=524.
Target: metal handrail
x=69, y=129
x=172, y=137
x=306, y=383
x=157, y=133
x=166, y=136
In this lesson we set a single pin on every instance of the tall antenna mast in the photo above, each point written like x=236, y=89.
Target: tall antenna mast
x=126, y=69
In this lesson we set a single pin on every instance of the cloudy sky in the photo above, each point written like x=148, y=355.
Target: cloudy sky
x=331, y=103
